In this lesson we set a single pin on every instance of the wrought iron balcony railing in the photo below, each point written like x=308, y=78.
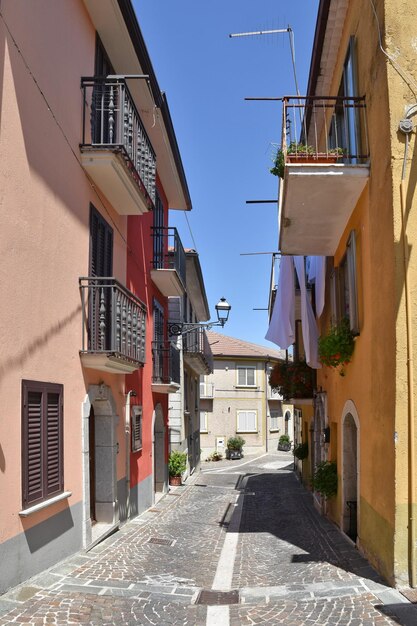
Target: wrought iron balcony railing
x=113, y=321
x=196, y=347
x=329, y=128
x=166, y=363
x=111, y=122
x=168, y=252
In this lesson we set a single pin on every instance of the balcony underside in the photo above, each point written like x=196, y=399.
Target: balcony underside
x=317, y=202
x=198, y=363
x=171, y=387
x=109, y=170
x=110, y=362
x=168, y=282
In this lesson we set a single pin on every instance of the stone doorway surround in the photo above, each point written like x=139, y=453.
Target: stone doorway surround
x=100, y=398
x=159, y=433
x=350, y=470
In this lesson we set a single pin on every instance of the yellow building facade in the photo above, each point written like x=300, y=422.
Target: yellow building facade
x=362, y=100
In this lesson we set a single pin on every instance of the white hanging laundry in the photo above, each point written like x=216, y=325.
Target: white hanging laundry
x=320, y=283
x=308, y=321
x=316, y=274
x=281, y=329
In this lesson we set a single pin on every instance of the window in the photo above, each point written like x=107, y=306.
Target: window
x=101, y=245
x=42, y=441
x=344, y=296
x=246, y=376
x=136, y=428
x=275, y=415
x=345, y=125
x=247, y=422
x=287, y=418
x=203, y=422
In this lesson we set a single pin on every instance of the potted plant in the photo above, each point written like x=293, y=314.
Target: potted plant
x=284, y=443
x=325, y=479
x=177, y=462
x=297, y=151
x=292, y=379
x=336, y=348
x=301, y=451
x=234, y=447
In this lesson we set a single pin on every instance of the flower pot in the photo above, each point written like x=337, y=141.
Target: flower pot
x=175, y=481
x=312, y=158
x=284, y=447
x=233, y=454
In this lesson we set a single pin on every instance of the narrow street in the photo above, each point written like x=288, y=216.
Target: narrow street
x=239, y=544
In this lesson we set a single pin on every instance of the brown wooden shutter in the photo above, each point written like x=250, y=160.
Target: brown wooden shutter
x=136, y=428
x=42, y=441
x=33, y=469
x=54, y=473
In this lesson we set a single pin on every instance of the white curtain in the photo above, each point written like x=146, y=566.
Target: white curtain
x=281, y=329
x=308, y=320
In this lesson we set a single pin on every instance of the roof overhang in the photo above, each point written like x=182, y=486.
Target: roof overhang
x=118, y=28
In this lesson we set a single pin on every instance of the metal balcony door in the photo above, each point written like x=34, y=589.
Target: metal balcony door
x=158, y=337
x=100, y=106
x=158, y=234
x=101, y=264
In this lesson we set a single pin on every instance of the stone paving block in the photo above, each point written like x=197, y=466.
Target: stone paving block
x=291, y=566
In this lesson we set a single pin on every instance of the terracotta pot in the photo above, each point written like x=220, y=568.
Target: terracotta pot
x=175, y=481
x=311, y=158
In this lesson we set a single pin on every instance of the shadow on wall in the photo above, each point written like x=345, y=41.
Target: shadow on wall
x=2, y=460
x=39, y=342
x=44, y=533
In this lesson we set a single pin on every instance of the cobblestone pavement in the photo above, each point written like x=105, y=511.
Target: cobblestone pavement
x=285, y=565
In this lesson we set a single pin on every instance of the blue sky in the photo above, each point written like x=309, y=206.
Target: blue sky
x=226, y=143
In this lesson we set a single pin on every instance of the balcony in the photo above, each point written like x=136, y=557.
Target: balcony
x=168, y=268
x=115, y=150
x=113, y=326
x=166, y=370
x=197, y=351
x=321, y=184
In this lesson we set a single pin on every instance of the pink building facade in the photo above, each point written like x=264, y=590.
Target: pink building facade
x=89, y=168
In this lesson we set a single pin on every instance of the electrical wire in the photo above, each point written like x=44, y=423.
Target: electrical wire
x=404, y=75
x=191, y=232
x=292, y=47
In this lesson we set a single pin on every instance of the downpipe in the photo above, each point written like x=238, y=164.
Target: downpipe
x=410, y=374
x=129, y=394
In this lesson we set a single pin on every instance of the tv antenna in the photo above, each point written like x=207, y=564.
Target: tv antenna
x=275, y=31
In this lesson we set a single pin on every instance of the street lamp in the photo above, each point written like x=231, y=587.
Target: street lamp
x=222, y=310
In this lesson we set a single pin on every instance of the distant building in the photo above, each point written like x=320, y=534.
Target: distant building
x=196, y=360
x=236, y=398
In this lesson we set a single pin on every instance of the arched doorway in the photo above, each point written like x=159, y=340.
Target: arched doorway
x=350, y=473
x=159, y=461
x=100, y=500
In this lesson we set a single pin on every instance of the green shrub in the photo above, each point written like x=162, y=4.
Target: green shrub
x=301, y=451
x=235, y=443
x=284, y=439
x=177, y=463
x=336, y=348
x=214, y=456
x=325, y=479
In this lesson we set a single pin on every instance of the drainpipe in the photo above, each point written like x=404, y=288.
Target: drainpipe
x=266, y=406
x=129, y=394
x=406, y=127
